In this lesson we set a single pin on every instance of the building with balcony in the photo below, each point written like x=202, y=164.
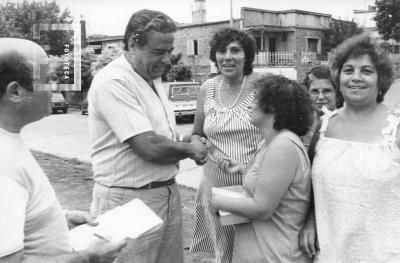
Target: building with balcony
x=288, y=42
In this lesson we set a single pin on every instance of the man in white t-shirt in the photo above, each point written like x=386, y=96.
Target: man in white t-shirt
x=33, y=227
x=135, y=148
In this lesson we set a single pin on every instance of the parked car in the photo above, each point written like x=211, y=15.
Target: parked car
x=58, y=102
x=84, y=106
x=183, y=96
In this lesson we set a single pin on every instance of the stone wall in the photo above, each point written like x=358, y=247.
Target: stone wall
x=301, y=36
x=289, y=18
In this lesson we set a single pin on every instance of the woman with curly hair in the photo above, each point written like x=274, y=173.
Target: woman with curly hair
x=356, y=166
x=223, y=118
x=277, y=182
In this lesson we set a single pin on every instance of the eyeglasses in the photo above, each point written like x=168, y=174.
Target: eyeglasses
x=325, y=92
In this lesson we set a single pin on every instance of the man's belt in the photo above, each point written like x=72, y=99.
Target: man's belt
x=156, y=184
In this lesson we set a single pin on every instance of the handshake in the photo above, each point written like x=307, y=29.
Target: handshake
x=198, y=149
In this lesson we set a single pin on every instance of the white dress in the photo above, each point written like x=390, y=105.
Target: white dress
x=357, y=197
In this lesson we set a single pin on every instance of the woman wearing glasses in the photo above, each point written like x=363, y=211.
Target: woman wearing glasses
x=324, y=94
x=322, y=89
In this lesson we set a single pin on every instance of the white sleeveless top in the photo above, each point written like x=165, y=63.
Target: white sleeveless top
x=357, y=197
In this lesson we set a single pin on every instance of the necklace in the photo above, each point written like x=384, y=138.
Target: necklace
x=237, y=98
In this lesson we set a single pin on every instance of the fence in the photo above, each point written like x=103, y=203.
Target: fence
x=274, y=58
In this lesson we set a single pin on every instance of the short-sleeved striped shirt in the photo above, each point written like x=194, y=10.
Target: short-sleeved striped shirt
x=122, y=105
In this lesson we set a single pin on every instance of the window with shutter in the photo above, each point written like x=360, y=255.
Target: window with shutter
x=189, y=47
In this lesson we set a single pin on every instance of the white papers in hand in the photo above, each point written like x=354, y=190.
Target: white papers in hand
x=127, y=221
x=236, y=191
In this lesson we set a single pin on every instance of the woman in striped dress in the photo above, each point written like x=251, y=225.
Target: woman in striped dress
x=223, y=118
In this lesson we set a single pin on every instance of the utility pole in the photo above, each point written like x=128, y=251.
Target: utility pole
x=231, y=19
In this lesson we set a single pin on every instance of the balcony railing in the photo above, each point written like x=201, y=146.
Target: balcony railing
x=274, y=58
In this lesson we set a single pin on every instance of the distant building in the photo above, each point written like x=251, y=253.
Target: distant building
x=288, y=42
x=100, y=44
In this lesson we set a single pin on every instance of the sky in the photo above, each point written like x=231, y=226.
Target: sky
x=109, y=17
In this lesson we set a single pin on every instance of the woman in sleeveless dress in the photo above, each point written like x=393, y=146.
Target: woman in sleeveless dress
x=356, y=168
x=223, y=118
x=277, y=183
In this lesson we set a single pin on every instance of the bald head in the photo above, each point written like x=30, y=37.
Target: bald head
x=18, y=59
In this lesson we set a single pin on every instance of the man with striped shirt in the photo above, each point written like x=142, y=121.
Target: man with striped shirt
x=132, y=128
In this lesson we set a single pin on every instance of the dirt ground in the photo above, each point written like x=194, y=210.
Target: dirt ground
x=73, y=183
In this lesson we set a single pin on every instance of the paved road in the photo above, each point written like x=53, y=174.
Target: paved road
x=67, y=135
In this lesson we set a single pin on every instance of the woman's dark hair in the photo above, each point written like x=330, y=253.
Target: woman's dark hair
x=357, y=46
x=144, y=21
x=323, y=72
x=318, y=72
x=288, y=100
x=225, y=36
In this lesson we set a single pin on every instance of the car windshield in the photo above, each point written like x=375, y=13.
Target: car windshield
x=57, y=96
x=184, y=91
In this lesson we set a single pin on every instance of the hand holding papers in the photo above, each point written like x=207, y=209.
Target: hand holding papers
x=236, y=191
x=127, y=221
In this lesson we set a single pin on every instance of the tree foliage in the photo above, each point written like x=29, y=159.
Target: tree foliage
x=17, y=19
x=178, y=71
x=87, y=58
x=388, y=19
x=103, y=59
x=339, y=30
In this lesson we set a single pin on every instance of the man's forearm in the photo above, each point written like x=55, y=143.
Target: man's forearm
x=168, y=151
x=75, y=257
x=159, y=149
x=162, y=150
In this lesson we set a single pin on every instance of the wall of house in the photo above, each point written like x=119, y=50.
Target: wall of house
x=291, y=41
x=310, y=20
x=300, y=41
x=253, y=17
x=301, y=36
x=117, y=44
x=256, y=17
